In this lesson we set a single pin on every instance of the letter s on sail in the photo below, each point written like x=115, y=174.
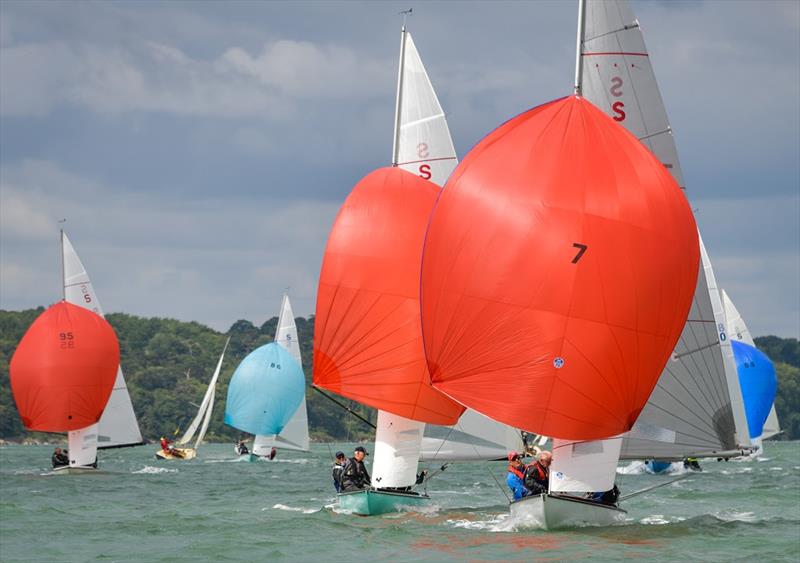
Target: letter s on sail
x=425, y=171
x=617, y=107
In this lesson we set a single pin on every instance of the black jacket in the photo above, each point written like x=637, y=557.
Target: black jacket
x=60, y=460
x=354, y=476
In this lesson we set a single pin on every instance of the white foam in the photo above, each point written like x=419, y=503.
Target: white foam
x=149, y=470
x=294, y=509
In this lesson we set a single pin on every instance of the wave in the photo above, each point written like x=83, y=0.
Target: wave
x=150, y=470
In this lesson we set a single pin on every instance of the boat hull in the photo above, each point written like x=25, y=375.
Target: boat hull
x=73, y=470
x=371, y=502
x=552, y=512
x=187, y=453
x=657, y=466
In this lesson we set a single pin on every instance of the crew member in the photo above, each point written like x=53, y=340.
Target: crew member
x=516, y=476
x=354, y=474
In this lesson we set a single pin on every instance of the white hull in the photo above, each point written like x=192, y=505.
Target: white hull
x=553, y=511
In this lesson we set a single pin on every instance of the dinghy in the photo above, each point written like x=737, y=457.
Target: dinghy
x=117, y=426
x=696, y=409
x=589, y=317
x=367, y=341
x=201, y=421
x=738, y=332
x=265, y=391
x=294, y=435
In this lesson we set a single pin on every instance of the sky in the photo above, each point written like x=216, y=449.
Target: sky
x=199, y=151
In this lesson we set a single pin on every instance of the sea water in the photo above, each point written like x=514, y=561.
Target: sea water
x=222, y=508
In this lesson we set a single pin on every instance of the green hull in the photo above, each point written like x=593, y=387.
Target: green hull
x=371, y=502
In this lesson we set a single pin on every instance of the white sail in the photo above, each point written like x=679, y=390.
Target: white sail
x=118, y=425
x=294, y=435
x=206, y=406
x=584, y=467
x=423, y=145
x=690, y=412
x=397, y=448
x=737, y=330
x=474, y=437
x=82, y=446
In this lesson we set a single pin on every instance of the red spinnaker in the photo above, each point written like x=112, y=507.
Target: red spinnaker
x=558, y=271
x=63, y=370
x=367, y=334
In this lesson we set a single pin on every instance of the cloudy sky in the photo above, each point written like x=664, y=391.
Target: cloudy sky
x=200, y=150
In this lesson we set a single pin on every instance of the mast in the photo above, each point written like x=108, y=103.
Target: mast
x=399, y=99
x=578, y=90
x=63, y=266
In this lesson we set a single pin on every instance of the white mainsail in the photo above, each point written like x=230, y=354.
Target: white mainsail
x=474, y=437
x=118, y=426
x=584, y=467
x=423, y=145
x=206, y=406
x=737, y=330
x=694, y=409
x=294, y=435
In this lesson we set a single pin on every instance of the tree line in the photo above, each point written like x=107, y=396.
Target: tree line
x=168, y=363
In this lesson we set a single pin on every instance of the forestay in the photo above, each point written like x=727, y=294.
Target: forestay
x=689, y=407
x=206, y=406
x=295, y=434
x=118, y=425
x=584, y=466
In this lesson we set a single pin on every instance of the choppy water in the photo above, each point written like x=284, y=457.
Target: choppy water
x=221, y=509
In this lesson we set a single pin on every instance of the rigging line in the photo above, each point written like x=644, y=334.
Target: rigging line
x=345, y=407
x=646, y=489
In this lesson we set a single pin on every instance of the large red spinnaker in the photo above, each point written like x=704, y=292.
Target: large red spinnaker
x=63, y=370
x=558, y=271
x=367, y=333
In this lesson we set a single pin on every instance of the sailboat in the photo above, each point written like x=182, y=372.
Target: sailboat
x=367, y=340
x=294, y=435
x=756, y=377
x=265, y=391
x=62, y=375
x=201, y=420
x=588, y=254
x=696, y=409
x=118, y=427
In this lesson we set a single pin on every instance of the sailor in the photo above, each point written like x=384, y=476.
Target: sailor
x=241, y=448
x=537, y=474
x=692, y=464
x=165, y=445
x=338, y=468
x=516, y=476
x=610, y=497
x=60, y=458
x=272, y=453
x=354, y=474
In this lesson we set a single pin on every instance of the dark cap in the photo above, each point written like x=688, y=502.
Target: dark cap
x=361, y=449
x=339, y=454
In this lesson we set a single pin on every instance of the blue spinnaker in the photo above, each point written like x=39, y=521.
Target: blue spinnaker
x=758, y=382
x=265, y=391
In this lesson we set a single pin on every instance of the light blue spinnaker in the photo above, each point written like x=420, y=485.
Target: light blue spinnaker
x=758, y=382
x=265, y=390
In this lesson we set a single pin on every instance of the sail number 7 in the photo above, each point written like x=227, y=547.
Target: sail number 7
x=581, y=249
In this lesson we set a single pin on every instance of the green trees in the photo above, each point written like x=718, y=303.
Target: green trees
x=167, y=366
x=168, y=363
